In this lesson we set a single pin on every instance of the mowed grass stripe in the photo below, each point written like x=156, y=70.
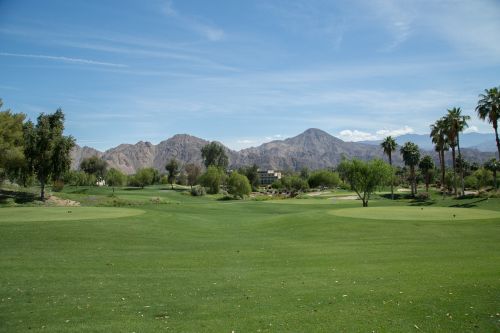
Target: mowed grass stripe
x=417, y=213
x=29, y=214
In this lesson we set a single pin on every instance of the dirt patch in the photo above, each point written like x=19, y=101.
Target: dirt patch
x=403, y=190
x=55, y=201
x=348, y=197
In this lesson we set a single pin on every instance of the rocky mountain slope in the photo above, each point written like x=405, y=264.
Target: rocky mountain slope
x=313, y=149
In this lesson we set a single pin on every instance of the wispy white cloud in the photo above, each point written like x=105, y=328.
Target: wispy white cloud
x=208, y=31
x=356, y=135
x=396, y=132
x=63, y=59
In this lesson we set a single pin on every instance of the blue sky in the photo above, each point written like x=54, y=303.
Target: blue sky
x=246, y=72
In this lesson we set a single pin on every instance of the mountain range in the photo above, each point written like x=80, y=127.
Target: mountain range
x=313, y=149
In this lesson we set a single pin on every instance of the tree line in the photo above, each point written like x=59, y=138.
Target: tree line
x=40, y=152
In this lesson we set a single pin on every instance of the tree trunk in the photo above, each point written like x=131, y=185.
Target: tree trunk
x=443, y=169
x=495, y=126
x=392, y=177
x=461, y=165
x=455, y=191
x=365, y=203
x=412, y=180
x=42, y=190
x=495, y=178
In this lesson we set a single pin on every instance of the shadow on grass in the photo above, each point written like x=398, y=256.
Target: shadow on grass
x=468, y=204
x=174, y=189
x=132, y=188
x=18, y=197
x=420, y=203
x=397, y=196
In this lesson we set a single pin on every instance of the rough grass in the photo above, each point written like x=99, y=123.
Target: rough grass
x=202, y=265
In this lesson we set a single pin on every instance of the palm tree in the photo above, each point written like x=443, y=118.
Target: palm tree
x=438, y=135
x=494, y=166
x=411, y=157
x=456, y=124
x=488, y=107
x=426, y=166
x=389, y=145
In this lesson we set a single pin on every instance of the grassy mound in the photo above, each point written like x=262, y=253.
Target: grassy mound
x=416, y=213
x=29, y=214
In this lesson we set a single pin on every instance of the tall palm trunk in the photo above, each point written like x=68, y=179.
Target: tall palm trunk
x=412, y=180
x=461, y=165
x=455, y=191
x=392, y=177
x=443, y=168
x=495, y=126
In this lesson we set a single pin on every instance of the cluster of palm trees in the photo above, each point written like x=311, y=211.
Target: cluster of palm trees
x=445, y=134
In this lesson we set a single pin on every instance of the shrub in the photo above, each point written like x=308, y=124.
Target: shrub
x=198, y=191
x=238, y=185
x=422, y=196
x=212, y=179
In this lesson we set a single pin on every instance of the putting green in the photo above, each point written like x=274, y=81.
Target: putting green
x=416, y=213
x=28, y=214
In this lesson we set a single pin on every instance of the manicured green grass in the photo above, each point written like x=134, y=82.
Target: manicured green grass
x=29, y=214
x=202, y=265
x=417, y=213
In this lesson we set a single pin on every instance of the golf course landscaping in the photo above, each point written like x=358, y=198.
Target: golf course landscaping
x=155, y=259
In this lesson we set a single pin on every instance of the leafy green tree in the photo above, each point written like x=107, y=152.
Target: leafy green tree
x=115, y=177
x=252, y=174
x=323, y=178
x=214, y=154
x=456, y=123
x=238, y=185
x=488, y=108
x=484, y=177
x=389, y=146
x=212, y=179
x=143, y=177
x=94, y=165
x=438, y=136
x=426, y=166
x=411, y=157
x=173, y=169
x=365, y=177
x=304, y=173
x=193, y=172
x=46, y=149
x=494, y=166
x=12, y=159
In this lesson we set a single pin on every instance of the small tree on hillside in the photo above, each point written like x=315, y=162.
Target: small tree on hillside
x=46, y=149
x=365, y=177
x=426, y=166
x=173, y=170
x=238, y=185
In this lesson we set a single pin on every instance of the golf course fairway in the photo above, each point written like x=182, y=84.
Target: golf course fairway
x=29, y=214
x=416, y=213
